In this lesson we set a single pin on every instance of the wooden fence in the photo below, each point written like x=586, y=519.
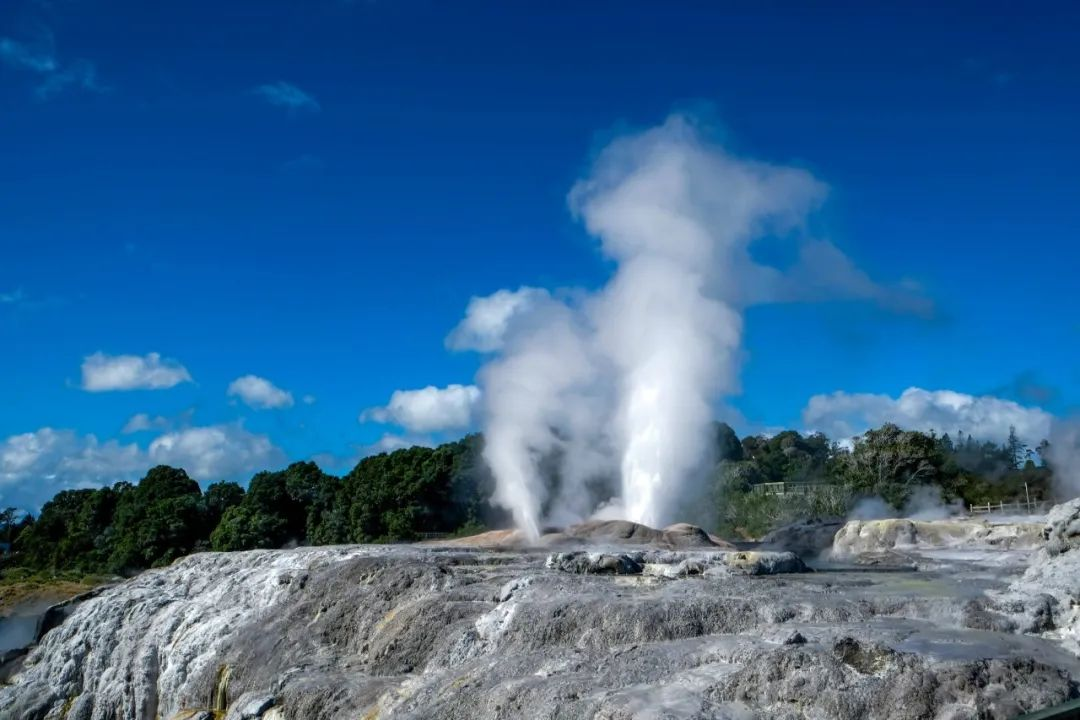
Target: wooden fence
x=1019, y=507
x=789, y=488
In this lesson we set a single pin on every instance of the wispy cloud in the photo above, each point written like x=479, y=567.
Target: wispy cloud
x=142, y=422
x=12, y=298
x=54, y=77
x=287, y=95
x=18, y=55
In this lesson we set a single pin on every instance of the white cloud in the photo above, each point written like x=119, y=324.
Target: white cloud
x=141, y=422
x=259, y=393
x=487, y=318
x=12, y=298
x=391, y=442
x=101, y=372
x=843, y=415
x=55, y=76
x=287, y=95
x=35, y=466
x=428, y=409
x=308, y=400
x=215, y=452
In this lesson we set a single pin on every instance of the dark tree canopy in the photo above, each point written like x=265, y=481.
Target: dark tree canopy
x=404, y=494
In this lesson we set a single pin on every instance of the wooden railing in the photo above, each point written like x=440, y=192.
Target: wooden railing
x=1019, y=507
x=789, y=488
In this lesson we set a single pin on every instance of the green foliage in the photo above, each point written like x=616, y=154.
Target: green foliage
x=73, y=531
x=400, y=495
x=789, y=456
x=217, y=499
x=728, y=446
x=746, y=512
x=243, y=527
x=156, y=521
x=890, y=462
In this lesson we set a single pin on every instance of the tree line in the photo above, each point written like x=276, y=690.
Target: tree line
x=401, y=495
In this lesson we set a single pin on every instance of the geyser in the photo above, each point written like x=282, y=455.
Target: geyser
x=623, y=382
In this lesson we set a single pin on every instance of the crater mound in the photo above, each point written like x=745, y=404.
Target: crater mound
x=618, y=533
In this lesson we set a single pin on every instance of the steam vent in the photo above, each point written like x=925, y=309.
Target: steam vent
x=614, y=620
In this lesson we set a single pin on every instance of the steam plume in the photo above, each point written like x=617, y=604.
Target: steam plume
x=1064, y=458
x=622, y=383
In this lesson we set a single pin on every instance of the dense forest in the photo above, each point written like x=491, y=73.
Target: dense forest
x=408, y=493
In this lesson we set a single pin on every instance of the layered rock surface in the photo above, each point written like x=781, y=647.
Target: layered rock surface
x=652, y=630
x=595, y=532
x=1046, y=598
x=875, y=536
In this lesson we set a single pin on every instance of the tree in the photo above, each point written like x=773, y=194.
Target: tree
x=157, y=520
x=728, y=446
x=889, y=461
x=789, y=456
x=244, y=527
x=72, y=532
x=217, y=499
x=1015, y=450
x=1044, y=452
x=8, y=524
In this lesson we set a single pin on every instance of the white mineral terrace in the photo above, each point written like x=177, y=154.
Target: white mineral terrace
x=951, y=619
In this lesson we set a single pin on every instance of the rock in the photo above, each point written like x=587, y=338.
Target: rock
x=1046, y=599
x=795, y=638
x=764, y=563
x=416, y=632
x=614, y=533
x=507, y=591
x=59, y=612
x=193, y=715
x=806, y=538
x=681, y=568
x=595, y=563
x=1062, y=530
x=685, y=535
x=875, y=536
x=250, y=706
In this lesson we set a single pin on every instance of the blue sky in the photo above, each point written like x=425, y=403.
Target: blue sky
x=311, y=193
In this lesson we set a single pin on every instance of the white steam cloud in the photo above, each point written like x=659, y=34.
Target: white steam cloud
x=619, y=387
x=1064, y=457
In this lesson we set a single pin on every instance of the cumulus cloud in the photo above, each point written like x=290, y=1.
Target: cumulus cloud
x=101, y=372
x=287, y=95
x=215, y=452
x=141, y=422
x=35, y=466
x=487, y=318
x=259, y=393
x=429, y=409
x=844, y=415
x=54, y=76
